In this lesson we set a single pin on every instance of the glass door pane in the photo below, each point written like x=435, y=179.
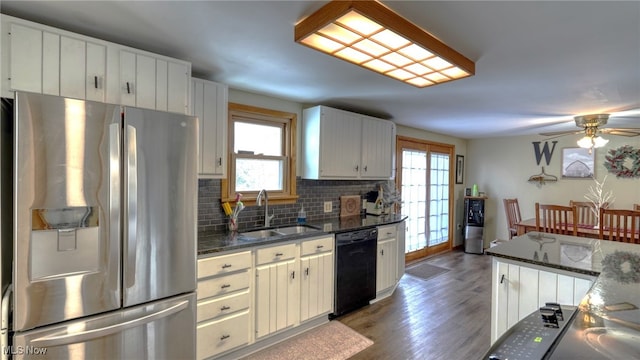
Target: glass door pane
x=439, y=199
x=414, y=199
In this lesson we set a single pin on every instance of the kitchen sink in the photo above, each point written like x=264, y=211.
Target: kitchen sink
x=281, y=231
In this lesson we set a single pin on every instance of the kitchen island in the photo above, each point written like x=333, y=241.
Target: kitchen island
x=607, y=324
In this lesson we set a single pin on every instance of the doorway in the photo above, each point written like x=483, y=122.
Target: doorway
x=425, y=179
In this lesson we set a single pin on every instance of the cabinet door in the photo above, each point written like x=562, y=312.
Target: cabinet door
x=25, y=61
x=50, y=63
x=209, y=104
x=72, y=67
x=339, y=144
x=146, y=81
x=178, y=75
x=127, y=78
x=162, y=84
x=96, y=72
x=386, y=264
x=378, y=142
x=277, y=297
x=316, y=292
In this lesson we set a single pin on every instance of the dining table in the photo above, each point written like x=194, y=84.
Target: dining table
x=584, y=230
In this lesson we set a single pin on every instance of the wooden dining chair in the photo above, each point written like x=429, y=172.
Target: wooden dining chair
x=620, y=225
x=512, y=209
x=585, y=213
x=556, y=219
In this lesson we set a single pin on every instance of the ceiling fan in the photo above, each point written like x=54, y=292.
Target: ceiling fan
x=591, y=126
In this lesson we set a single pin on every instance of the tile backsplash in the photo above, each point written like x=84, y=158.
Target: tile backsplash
x=312, y=194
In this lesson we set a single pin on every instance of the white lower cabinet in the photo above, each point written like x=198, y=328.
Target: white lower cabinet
x=224, y=303
x=250, y=299
x=317, y=278
x=387, y=261
x=518, y=289
x=294, y=284
x=277, y=288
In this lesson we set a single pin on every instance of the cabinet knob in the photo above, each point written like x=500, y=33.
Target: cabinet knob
x=224, y=286
x=279, y=254
x=319, y=246
x=293, y=274
x=95, y=81
x=225, y=307
x=219, y=161
x=365, y=168
x=502, y=279
x=382, y=252
x=224, y=337
x=225, y=266
x=357, y=167
x=306, y=271
x=128, y=88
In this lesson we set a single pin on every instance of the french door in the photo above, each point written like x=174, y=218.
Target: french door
x=425, y=179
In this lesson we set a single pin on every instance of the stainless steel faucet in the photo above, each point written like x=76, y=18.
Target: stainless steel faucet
x=267, y=217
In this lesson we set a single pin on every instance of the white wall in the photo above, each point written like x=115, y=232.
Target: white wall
x=502, y=166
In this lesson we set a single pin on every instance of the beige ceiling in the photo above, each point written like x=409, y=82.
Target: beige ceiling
x=538, y=63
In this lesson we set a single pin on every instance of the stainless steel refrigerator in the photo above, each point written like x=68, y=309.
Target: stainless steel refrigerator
x=104, y=257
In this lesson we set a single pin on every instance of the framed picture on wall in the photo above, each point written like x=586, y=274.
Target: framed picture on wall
x=459, y=169
x=578, y=163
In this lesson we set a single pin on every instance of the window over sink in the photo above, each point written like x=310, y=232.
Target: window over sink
x=262, y=154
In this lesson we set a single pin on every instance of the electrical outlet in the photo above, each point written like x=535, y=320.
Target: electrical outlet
x=327, y=206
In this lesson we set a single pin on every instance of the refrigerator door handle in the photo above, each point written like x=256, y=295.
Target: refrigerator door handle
x=132, y=204
x=114, y=182
x=85, y=336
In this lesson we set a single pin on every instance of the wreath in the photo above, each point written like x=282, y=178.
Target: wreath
x=622, y=266
x=614, y=161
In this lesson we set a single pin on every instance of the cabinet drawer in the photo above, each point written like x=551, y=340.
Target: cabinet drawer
x=275, y=253
x=386, y=232
x=317, y=245
x=223, y=264
x=222, y=285
x=222, y=306
x=215, y=337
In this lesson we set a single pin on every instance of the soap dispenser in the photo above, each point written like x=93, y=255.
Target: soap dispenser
x=302, y=216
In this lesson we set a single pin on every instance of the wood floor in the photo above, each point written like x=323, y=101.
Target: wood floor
x=444, y=317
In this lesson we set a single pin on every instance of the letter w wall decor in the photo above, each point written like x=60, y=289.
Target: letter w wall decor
x=545, y=151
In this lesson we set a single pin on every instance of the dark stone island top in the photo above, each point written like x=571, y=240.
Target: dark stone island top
x=232, y=241
x=607, y=325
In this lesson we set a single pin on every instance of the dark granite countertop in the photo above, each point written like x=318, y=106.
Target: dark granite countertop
x=232, y=241
x=607, y=325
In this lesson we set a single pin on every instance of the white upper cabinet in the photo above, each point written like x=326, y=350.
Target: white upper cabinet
x=378, y=146
x=209, y=104
x=42, y=59
x=339, y=144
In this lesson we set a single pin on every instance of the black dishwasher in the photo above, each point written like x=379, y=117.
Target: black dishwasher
x=355, y=269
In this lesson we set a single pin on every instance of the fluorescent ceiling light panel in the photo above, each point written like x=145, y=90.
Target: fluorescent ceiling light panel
x=369, y=34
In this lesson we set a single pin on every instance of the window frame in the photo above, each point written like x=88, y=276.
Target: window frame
x=257, y=115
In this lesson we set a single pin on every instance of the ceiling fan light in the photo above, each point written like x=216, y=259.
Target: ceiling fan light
x=599, y=141
x=585, y=142
x=589, y=142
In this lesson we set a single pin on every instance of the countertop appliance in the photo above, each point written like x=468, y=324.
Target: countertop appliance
x=473, y=225
x=104, y=210
x=533, y=337
x=356, y=258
